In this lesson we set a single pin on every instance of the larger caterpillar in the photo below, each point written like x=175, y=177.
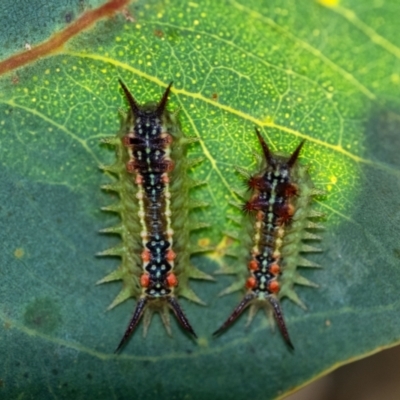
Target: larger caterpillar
x=280, y=208
x=151, y=169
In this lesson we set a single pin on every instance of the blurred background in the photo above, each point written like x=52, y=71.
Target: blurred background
x=373, y=378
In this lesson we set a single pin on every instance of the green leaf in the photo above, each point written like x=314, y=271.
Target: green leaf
x=326, y=72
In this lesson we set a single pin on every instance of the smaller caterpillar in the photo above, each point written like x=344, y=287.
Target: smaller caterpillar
x=280, y=208
x=154, y=207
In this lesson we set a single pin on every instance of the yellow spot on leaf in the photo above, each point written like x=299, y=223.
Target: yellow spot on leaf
x=220, y=249
x=204, y=242
x=329, y=3
x=395, y=78
x=19, y=252
x=333, y=179
x=202, y=342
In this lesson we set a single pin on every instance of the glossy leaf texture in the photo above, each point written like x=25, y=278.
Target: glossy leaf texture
x=327, y=72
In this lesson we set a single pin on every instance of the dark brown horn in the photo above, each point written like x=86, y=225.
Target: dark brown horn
x=180, y=316
x=132, y=102
x=266, y=151
x=164, y=99
x=280, y=321
x=293, y=158
x=137, y=315
x=236, y=312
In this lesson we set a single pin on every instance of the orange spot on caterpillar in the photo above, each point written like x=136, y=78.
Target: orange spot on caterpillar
x=273, y=287
x=258, y=183
x=139, y=179
x=286, y=212
x=288, y=190
x=165, y=178
x=249, y=206
x=169, y=164
x=158, y=33
x=274, y=269
x=254, y=204
x=253, y=265
x=260, y=216
x=254, y=182
x=131, y=166
x=145, y=280
x=251, y=282
x=126, y=141
x=171, y=255
x=214, y=96
x=172, y=280
x=146, y=255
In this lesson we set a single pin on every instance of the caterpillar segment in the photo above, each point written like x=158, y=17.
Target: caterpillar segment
x=275, y=223
x=154, y=206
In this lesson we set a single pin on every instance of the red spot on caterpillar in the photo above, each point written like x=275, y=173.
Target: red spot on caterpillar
x=139, y=179
x=145, y=280
x=273, y=286
x=255, y=204
x=131, y=166
x=169, y=165
x=126, y=141
x=158, y=33
x=274, y=269
x=251, y=282
x=172, y=280
x=165, y=178
x=171, y=255
x=258, y=183
x=260, y=216
x=214, y=96
x=253, y=265
x=146, y=255
x=285, y=212
x=286, y=189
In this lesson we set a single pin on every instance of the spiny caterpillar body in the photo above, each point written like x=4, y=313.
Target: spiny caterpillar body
x=152, y=184
x=280, y=212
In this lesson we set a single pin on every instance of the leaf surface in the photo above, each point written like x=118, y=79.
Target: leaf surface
x=326, y=72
